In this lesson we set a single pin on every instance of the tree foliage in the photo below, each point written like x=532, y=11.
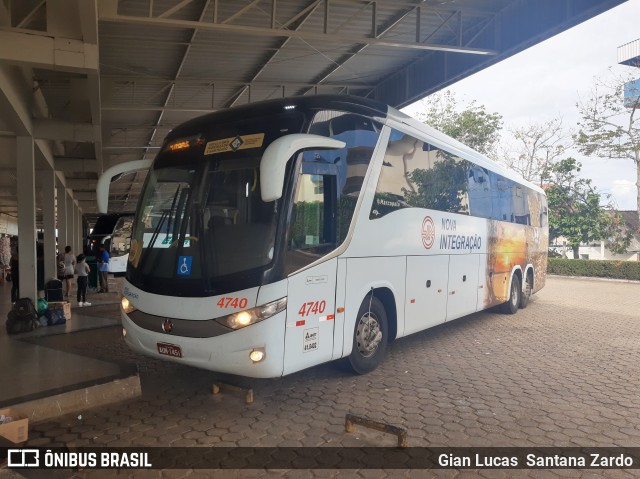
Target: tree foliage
x=575, y=210
x=608, y=128
x=473, y=125
x=535, y=148
x=441, y=187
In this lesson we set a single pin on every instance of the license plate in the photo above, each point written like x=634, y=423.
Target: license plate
x=170, y=350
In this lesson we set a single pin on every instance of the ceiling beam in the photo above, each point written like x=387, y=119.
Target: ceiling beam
x=82, y=184
x=76, y=165
x=129, y=107
x=65, y=130
x=44, y=51
x=84, y=196
x=360, y=48
x=24, y=23
x=89, y=26
x=308, y=11
x=274, y=32
x=177, y=74
x=199, y=82
x=12, y=102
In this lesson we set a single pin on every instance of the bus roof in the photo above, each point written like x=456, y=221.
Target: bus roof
x=460, y=148
x=353, y=104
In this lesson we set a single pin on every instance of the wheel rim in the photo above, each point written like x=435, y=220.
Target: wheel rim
x=368, y=335
x=514, y=295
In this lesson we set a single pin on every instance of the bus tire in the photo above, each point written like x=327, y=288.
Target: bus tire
x=526, y=292
x=370, y=337
x=515, y=294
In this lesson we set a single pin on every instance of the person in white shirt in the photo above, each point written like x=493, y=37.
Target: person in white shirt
x=69, y=264
x=82, y=270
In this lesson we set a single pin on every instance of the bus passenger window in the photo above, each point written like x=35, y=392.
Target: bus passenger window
x=419, y=175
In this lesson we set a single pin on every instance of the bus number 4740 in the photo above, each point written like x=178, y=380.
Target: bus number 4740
x=232, y=303
x=312, y=308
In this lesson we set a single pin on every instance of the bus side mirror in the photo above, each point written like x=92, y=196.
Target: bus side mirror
x=102, y=188
x=276, y=156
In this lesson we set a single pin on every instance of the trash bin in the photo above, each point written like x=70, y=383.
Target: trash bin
x=93, y=274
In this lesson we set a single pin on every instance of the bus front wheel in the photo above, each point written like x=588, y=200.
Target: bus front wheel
x=370, y=336
x=515, y=294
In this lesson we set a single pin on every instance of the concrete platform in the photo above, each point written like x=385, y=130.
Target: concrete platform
x=44, y=382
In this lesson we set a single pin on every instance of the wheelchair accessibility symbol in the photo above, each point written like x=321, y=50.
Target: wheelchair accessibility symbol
x=184, y=265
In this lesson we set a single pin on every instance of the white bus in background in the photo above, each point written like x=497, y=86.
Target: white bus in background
x=118, y=243
x=276, y=236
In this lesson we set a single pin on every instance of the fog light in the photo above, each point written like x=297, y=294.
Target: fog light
x=124, y=333
x=256, y=355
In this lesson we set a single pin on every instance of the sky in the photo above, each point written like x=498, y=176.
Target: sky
x=547, y=80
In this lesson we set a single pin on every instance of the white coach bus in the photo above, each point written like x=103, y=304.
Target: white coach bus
x=276, y=236
x=117, y=243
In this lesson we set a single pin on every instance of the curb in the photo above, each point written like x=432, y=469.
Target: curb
x=595, y=278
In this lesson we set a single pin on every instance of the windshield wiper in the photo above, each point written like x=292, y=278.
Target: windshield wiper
x=157, y=229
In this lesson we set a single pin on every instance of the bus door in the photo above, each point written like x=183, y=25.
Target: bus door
x=463, y=285
x=311, y=292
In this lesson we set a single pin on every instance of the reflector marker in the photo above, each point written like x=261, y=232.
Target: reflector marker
x=329, y=317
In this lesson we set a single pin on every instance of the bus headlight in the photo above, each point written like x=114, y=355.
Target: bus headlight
x=254, y=315
x=127, y=307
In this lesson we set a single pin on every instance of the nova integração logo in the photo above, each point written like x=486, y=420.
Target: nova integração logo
x=428, y=232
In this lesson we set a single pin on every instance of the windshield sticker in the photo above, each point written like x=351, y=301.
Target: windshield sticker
x=163, y=240
x=184, y=265
x=234, y=143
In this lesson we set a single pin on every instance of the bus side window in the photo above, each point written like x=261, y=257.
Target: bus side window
x=480, y=203
x=419, y=175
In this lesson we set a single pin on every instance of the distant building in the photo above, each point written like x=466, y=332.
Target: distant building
x=629, y=54
x=599, y=249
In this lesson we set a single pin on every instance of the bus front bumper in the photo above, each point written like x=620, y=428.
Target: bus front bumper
x=228, y=353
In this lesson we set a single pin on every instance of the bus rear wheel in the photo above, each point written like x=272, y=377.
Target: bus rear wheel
x=370, y=336
x=515, y=294
x=526, y=292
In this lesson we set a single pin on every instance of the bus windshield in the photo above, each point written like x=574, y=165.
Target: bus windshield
x=121, y=237
x=201, y=227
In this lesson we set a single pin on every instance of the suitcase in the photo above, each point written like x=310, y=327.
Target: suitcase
x=53, y=290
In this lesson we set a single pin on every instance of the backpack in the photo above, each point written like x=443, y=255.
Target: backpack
x=23, y=317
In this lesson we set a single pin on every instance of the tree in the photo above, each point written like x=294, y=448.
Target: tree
x=575, y=210
x=621, y=234
x=441, y=187
x=535, y=147
x=472, y=126
x=609, y=128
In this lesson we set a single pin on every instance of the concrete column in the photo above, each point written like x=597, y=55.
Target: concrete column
x=62, y=217
x=70, y=220
x=78, y=223
x=48, y=179
x=74, y=230
x=26, y=216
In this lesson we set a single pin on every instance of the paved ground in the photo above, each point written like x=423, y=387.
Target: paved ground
x=563, y=372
